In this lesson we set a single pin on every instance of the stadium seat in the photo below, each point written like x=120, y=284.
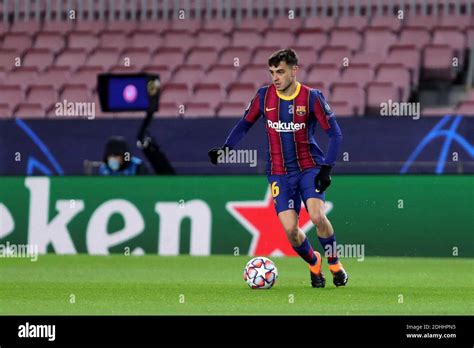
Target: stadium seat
x=216, y=39
x=210, y=93
x=306, y=57
x=342, y=108
x=351, y=93
x=205, y=56
x=39, y=58
x=161, y=70
x=168, y=110
x=370, y=58
x=324, y=73
x=219, y=25
x=284, y=37
x=188, y=74
x=415, y=36
x=87, y=75
x=137, y=57
x=470, y=95
x=158, y=26
x=361, y=74
x=126, y=26
x=57, y=76
x=145, y=38
x=52, y=41
x=103, y=57
x=76, y=93
x=93, y=26
x=465, y=108
x=177, y=93
x=397, y=74
x=28, y=110
x=437, y=63
x=21, y=42
x=256, y=74
x=314, y=38
x=198, y=109
x=409, y=56
x=22, y=76
x=122, y=69
x=241, y=92
x=359, y=23
x=254, y=24
x=283, y=22
x=170, y=57
x=72, y=57
x=391, y=22
x=221, y=74
x=85, y=40
x=378, y=40
x=323, y=23
x=461, y=22
x=45, y=95
x=345, y=37
x=452, y=37
x=321, y=86
x=335, y=55
x=61, y=27
x=235, y=56
x=189, y=25
x=8, y=58
x=180, y=39
x=427, y=22
x=378, y=93
x=5, y=111
x=247, y=38
x=231, y=109
x=30, y=27
x=113, y=39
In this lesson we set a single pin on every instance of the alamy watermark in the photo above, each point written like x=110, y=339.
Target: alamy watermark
x=26, y=251
x=75, y=109
x=356, y=251
x=392, y=108
x=227, y=155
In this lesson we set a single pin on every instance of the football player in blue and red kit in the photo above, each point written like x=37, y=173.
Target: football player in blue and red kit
x=296, y=168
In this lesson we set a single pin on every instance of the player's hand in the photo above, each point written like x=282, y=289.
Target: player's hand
x=214, y=154
x=322, y=180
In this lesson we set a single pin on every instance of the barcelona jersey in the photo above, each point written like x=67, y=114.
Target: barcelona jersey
x=290, y=123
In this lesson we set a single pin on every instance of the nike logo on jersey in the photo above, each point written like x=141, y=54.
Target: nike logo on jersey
x=269, y=109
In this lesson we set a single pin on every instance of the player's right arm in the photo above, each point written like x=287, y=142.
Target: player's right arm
x=251, y=115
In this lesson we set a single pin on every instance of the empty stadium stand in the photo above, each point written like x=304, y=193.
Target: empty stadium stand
x=212, y=66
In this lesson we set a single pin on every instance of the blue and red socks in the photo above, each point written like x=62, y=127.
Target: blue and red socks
x=305, y=250
x=330, y=250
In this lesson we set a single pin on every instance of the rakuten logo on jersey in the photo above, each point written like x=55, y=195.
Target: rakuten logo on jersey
x=286, y=126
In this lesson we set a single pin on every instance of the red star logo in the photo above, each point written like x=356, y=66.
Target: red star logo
x=261, y=220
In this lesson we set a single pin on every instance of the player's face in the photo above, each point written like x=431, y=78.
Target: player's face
x=283, y=75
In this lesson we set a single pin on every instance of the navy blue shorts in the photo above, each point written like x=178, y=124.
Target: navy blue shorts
x=288, y=190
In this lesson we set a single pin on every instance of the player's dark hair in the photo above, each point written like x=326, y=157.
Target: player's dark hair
x=286, y=55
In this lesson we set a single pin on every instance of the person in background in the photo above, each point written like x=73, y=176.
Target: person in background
x=117, y=159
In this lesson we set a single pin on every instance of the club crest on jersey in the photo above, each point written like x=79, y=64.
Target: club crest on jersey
x=301, y=110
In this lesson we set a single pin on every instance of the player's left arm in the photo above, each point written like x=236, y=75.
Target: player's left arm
x=327, y=120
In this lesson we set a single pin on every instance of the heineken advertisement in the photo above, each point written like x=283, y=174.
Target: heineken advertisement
x=387, y=215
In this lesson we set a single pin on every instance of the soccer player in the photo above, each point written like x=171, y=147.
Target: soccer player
x=296, y=167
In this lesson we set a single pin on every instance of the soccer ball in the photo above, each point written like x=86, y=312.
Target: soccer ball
x=260, y=273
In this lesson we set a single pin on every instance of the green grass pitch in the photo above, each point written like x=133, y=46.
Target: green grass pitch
x=184, y=285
